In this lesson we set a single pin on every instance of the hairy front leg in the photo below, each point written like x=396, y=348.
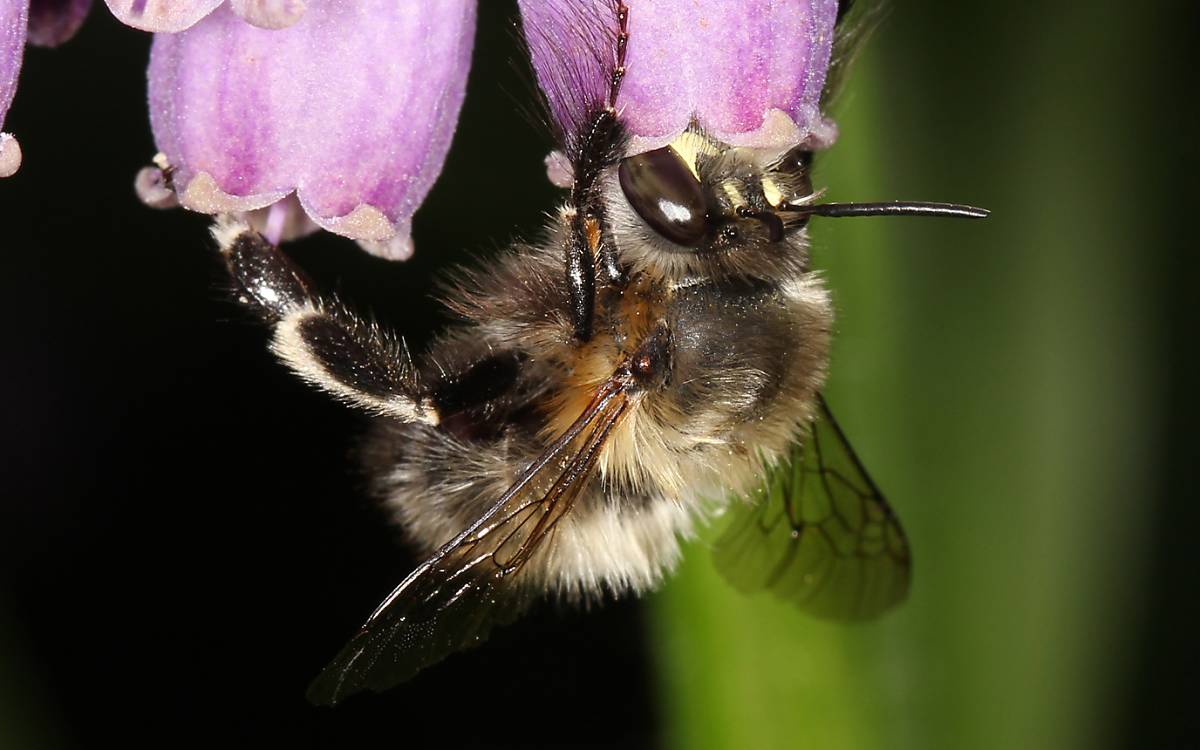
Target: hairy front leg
x=317, y=337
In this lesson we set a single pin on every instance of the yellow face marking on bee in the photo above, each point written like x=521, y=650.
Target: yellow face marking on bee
x=735, y=195
x=691, y=146
x=771, y=191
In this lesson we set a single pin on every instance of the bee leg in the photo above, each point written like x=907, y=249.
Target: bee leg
x=581, y=278
x=317, y=338
x=586, y=244
x=595, y=149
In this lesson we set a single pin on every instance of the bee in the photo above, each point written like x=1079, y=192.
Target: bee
x=657, y=358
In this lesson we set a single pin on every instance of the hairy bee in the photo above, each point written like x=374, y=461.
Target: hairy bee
x=660, y=352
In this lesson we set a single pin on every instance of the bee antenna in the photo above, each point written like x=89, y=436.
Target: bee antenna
x=889, y=208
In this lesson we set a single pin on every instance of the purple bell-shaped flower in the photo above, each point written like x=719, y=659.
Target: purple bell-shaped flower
x=43, y=23
x=177, y=15
x=750, y=72
x=14, y=23
x=343, y=119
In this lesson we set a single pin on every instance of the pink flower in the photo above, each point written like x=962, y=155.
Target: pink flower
x=749, y=72
x=14, y=23
x=46, y=23
x=52, y=22
x=350, y=110
x=177, y=15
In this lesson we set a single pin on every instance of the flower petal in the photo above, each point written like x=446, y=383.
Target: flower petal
x=353, y=107
x=572, y=46
x=399, y=247
x=14, y=15
x=153, y=188
x=749, y=72
x=281, y=221
x=10, y=155
x=161, y=15
x=52, y=22
x=269, y=14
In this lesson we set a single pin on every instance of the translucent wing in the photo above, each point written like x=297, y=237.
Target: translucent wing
x=453, y=599
x=819, y=533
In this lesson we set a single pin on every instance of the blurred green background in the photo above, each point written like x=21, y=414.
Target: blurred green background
x=1003, y=380
x=1022, y=388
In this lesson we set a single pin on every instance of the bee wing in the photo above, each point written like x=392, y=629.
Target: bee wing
x=819, y=533
x=453, y=599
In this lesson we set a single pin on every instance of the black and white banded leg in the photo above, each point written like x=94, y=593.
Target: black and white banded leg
x=317, y=338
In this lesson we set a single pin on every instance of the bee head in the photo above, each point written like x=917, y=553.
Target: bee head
x=699, y=206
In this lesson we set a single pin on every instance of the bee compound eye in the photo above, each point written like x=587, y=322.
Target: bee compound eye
x=666, y=194
x=797, y=165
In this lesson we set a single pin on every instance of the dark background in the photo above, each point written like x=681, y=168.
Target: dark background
x=181, y=548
